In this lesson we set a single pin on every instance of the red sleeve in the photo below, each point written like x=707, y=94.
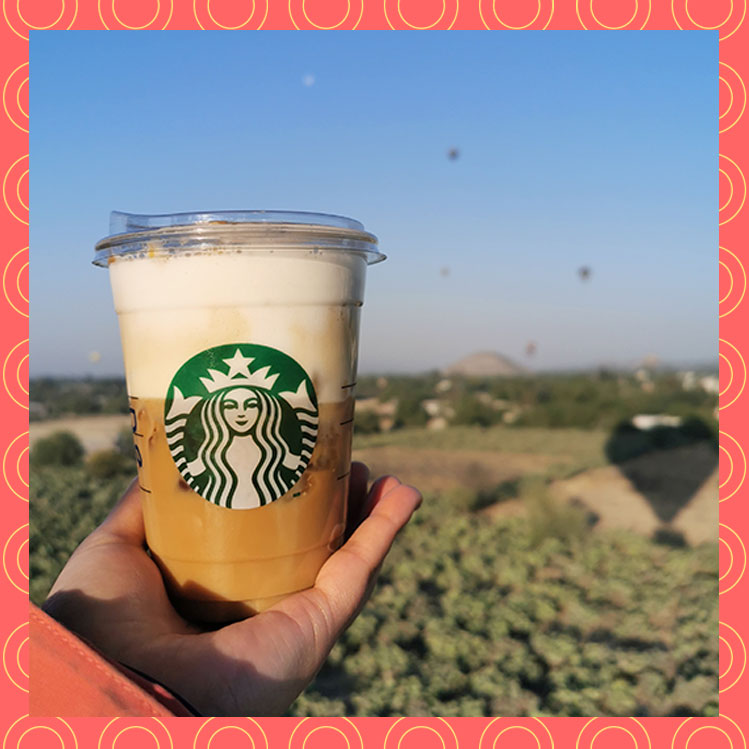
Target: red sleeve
x=69, y=678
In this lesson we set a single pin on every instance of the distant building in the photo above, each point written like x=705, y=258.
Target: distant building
x=486, y=364
x=651, y=421
x=688, y=380
x=443, y=386
x=710, y=384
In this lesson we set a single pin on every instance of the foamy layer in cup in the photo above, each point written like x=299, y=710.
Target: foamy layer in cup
x=304, y=303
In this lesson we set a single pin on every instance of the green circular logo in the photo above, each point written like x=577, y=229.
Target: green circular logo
x=241, y=423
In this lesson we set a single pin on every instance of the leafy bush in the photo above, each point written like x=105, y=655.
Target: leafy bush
x=410, y=412
x=528, y=616
x=105, y=464
x=366, y=422
x=58, y=449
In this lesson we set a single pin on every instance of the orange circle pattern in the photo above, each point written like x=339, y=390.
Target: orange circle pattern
x=244, y=733
x=299, y=9
x=732, y=373
x=13, y=87
x=501, y=733
x=15, y=281
x=13, y=464
x=726, y=26
x=111, y=18
x=736, y=97
x=15, y=644
x=206, y=17
x=442, y=12
x=422, y=730
x=733, y=189
x=13, y=181
x=118, y=726
x=16, y=558
x=590, y=735
x=492, y=11
x=15, y=373
x=21, y=731
x=16, y=19
x=733, y=671
x=590, y=19
x=733, y=294
x=333, y=726
x=721, y=729
x=733, y=549
x=734, y=457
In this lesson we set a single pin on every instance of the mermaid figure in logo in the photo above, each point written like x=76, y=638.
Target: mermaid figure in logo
x=243, y=459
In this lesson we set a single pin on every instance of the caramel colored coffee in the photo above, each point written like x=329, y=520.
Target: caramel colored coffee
x=240, y=342
x=222, y=564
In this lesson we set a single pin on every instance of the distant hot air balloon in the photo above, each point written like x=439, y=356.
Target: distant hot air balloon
x=530, y=348
x=584, y=272
x=453, y=154
x=444, y=272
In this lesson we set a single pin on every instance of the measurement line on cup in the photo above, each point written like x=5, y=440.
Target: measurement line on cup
x=350, y=385
x=143, y=488
x=133, y=397
x=348, y=421
x=137, y=434
x=340, y=478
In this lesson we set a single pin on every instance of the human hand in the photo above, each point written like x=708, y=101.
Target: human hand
x=112, y=594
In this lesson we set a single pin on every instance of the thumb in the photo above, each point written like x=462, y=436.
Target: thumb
x=125, y=519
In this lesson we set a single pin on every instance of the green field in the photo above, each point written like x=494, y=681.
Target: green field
x=536, y=614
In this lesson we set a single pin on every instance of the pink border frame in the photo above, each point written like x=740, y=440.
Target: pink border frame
x=484, y=733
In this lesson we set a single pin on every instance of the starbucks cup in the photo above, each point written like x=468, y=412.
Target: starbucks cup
x=240, y=340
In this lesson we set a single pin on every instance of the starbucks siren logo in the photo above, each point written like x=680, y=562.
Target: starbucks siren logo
x=241, y=423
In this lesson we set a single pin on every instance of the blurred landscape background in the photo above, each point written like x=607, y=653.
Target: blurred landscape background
x=564, y=561
x=538, y=353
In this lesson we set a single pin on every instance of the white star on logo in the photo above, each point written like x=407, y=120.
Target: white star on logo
x=238, y=364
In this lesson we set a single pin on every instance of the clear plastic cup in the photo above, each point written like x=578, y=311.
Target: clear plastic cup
x=240, y=340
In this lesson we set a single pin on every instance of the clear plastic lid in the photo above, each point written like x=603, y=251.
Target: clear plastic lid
x=172, y=233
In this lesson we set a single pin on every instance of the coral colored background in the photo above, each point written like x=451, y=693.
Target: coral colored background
x=728, y=18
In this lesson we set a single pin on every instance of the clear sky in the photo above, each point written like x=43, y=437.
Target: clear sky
x=576, y=149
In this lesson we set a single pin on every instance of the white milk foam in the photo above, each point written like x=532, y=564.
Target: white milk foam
x=304, y=303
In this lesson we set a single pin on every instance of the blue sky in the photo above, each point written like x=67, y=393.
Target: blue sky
x=576, y=148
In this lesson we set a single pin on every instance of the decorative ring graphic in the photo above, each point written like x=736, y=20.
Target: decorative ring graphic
x=16, y=558
x=732, y=456
x=733, y=551
x=732, y=269
x=15, y=373
x=493, y=736
x=15, y=84
x=722, y=725
x=734, y=84
x=256, y=738
x=16, y=281
x=206, y=16
x=593, y=729
x=727, y=26
x=17, y=735
x=540, y=20
x=298, y=9
x=341, y=726
x=20, y=26
x=732, y=373
x=111, y=20
x=424, y=728
x=15, y=466
x=117, y=726
x=441, y=22
x=733, y=672
x=12, y=181
x=733, y=189
x=15, y=645
x=638, y=19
